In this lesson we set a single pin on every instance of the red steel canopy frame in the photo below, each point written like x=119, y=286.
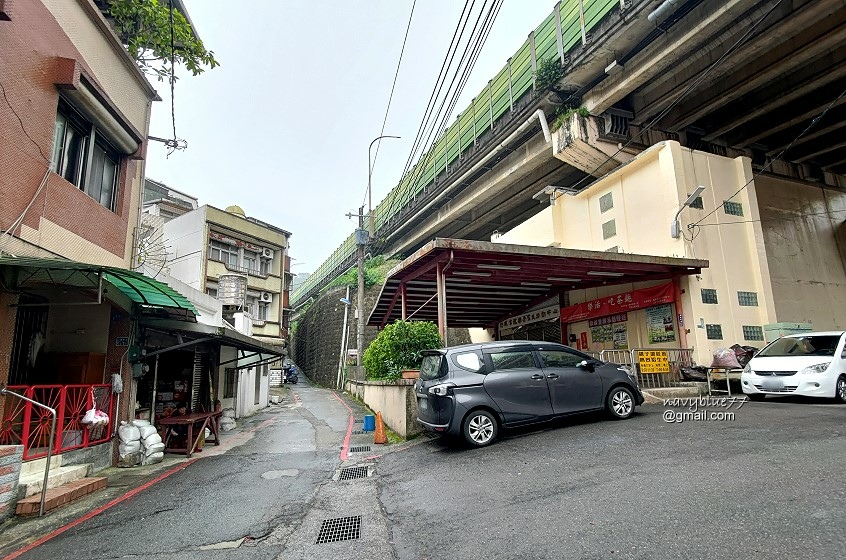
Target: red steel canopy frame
x=461, y=283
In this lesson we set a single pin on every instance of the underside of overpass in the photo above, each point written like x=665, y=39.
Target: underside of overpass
x=757, y=78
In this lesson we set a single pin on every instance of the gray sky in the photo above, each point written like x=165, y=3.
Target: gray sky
x=282, y=127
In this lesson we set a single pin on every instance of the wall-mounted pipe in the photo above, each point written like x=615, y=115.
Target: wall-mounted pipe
x=663, y=10
x=539, y=115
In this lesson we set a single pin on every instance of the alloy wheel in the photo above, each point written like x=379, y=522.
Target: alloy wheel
x=622, y=404
x=841, y=389
x=480, y=429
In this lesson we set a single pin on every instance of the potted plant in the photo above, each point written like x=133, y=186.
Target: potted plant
x=395, y=353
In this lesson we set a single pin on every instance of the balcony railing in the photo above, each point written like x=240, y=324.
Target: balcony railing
x=29, y=425
x=241, y=269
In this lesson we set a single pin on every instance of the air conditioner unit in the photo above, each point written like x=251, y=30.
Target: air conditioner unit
x=267, y=253
x=266, y=296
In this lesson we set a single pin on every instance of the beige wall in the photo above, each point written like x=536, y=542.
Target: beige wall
x=56, y=239
x=796, y=262
x=395, y=400
x=805, y=240
x=112, y=67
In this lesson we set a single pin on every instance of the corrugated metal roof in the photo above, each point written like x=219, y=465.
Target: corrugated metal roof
x=137, y=287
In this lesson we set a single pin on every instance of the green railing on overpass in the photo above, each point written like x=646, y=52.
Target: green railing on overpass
x=496, y=100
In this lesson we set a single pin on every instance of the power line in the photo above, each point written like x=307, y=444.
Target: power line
x=675, y=102
x=775, y=159
x=391, y=96
x=479, y=43
x=465, y=66
x=438, y=82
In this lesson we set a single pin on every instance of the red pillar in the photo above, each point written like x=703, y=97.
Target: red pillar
x=404, y=301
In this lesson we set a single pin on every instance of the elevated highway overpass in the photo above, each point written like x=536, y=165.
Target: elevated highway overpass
x=734, y=77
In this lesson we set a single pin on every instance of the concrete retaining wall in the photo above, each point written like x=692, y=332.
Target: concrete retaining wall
x=10, y=468
x=394, y=399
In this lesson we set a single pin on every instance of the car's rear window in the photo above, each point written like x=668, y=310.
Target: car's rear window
x=433, y=367
x=813, y=345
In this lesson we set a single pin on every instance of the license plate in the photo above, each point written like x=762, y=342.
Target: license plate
x=772, y=384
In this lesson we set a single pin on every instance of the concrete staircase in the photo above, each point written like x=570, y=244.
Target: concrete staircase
x=65, y=484
x=32, y=475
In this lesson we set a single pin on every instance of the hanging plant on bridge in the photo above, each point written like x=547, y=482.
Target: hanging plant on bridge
x=144, y=27
x=398, y=348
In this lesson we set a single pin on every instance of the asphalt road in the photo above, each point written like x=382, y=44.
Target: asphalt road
x=205, y=510
x=768, y=484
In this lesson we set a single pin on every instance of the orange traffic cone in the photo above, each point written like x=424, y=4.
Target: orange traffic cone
x=380, y=436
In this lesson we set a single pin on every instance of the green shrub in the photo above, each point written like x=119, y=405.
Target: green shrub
x=398, y=347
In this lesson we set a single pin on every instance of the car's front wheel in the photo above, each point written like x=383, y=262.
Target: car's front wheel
x=840, y=390
x=480, y=428
x=620, y=403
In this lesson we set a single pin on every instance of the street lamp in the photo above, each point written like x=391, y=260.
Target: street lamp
x=675, y=227
x=362, y=238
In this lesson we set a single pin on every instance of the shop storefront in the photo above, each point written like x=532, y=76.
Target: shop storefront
x=623, y=319
x=540, y=323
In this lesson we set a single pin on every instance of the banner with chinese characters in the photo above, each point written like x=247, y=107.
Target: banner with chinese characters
x=611, y=305
x=542, y=314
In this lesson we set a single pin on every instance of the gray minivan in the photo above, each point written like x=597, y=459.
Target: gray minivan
x=475, y=390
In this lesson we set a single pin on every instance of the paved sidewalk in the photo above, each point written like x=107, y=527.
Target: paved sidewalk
x=278, y=427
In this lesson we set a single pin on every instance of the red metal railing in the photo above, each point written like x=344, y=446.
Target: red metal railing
x=28, y=425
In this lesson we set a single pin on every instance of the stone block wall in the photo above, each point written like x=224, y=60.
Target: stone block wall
x=11, y=457
x=316, y=343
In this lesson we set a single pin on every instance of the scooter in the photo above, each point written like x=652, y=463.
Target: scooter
x=289, y=375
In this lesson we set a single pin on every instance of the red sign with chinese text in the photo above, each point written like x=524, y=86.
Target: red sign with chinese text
x=610, y=305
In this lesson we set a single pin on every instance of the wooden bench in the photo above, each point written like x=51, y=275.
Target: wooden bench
x=722, y=374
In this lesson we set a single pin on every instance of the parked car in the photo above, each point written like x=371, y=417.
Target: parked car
x=808, y=364
x=476, y=390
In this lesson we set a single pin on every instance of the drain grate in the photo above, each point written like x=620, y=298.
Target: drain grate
x=359, y=448
x=357, y=432
x=351, y=473
x=339, y=529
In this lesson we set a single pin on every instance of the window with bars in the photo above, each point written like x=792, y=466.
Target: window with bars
x=229, y=378
x=752, y=332
x=733, y=208
x=606, y=202
x=714, y=332
x=747, y=299
x=709, y=295
x=609, y=229
x=697, y=203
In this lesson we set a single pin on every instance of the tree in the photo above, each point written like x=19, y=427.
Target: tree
x=144, y=26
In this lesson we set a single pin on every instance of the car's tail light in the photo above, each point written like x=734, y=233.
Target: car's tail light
x=441, y=389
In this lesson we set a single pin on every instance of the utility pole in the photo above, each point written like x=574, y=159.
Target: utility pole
x=361, y=238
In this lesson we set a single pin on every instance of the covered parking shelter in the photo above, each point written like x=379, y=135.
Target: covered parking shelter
x=466, y=284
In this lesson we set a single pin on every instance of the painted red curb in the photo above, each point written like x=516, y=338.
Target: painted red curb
x=101, y=509
x=342, y=402
x=346, y=446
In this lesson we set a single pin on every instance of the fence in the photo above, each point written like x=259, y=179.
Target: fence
x=678, y=358
x=28, y=425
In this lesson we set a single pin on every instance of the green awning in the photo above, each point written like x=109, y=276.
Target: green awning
x=139, y=288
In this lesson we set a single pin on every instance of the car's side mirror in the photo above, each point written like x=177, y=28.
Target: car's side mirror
x=586, y=365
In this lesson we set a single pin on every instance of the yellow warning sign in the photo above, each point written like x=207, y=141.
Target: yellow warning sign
x=654, y=361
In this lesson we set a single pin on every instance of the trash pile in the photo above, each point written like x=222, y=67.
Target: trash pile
x=227, y=419
x=734, y=357
x=140, y=444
